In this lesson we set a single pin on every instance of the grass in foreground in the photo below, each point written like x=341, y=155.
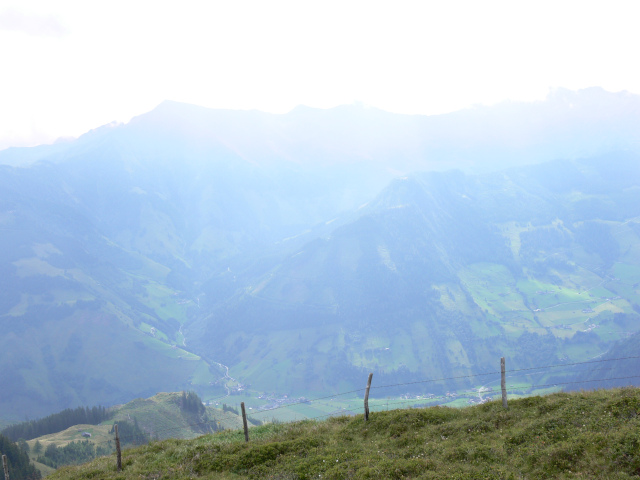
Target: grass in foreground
x=564, y=435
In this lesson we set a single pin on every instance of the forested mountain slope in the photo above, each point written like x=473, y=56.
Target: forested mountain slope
x=442, y=274
x=203, y=249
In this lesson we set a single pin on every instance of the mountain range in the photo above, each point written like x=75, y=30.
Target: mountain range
x=226, y=251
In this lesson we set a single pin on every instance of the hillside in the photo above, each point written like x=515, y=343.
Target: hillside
x=76, y=308
x=18, y=460
x=610, y=369
x=162, y=416
x=564, y=435
x=440, y=275
x=159, y=417
x=257, y=254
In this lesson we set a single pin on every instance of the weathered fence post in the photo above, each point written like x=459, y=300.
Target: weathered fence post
x=244, y=422
x=503, y=383
x=366, y=398
x=5, y=465
x=118, y=452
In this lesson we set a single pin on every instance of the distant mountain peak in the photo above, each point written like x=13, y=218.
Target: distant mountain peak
x=592, y=96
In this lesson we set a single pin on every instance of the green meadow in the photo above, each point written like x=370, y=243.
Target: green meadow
x=561, y=435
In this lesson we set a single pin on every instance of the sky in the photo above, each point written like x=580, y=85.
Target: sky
x=68, y=66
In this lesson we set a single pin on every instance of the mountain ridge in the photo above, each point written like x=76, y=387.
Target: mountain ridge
x=578, y=123
x=194, y=265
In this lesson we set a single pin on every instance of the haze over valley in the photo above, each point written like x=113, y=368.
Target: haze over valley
x=242, y=253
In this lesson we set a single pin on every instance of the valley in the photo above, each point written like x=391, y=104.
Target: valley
x=172, y=253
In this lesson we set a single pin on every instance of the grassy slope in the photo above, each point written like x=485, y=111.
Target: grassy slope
x=104, y=345
x=558, y=291
x=577, y=435
x=99, y=434
x=159, y=416
x=558, y=302
x=88, y=346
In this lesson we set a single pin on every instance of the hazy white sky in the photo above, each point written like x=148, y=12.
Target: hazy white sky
x=68, y=66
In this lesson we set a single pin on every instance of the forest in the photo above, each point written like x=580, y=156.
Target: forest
x=56, y=422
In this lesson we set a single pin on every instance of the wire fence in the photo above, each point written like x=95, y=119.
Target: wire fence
x=417, y=401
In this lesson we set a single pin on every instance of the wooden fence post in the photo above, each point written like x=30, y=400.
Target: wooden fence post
x=503, y=383
x=244, y=422
x=366, y=398
x=118, y=452
x=5, y=465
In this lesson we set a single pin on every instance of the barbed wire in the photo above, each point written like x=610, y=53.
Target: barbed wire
x=431, y=399
x=445, y=379
x=575, y=363
x=306, y=401
x=468, y=393
x=378, y=407
x=434, y=380
x=580, y=382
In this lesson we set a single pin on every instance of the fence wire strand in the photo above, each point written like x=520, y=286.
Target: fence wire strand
x=425, y=401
